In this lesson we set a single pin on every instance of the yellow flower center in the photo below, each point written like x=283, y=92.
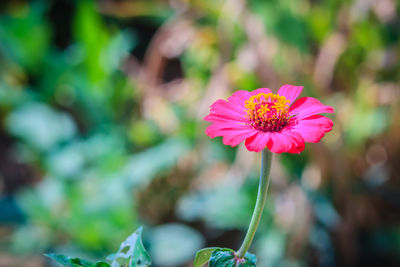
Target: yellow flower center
x=267, y=112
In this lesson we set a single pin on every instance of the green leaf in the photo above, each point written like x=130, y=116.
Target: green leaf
x=131, y=252
x=251, y=258
x=225, y=257
x=202, y=256
x=221, y=257
x=101, y=264
x=70, y=262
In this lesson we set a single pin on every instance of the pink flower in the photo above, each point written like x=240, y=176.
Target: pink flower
x=264, y=119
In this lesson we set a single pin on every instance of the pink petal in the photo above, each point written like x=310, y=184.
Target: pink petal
x=221, y=104
x=222, y=110
x=233, y=109
x=277, y=142
x=313, y=128
x=307, y=106
x=258, y=141
x=291, y=92
x=297, y=144
x=260, y=90
x=225, y=117
x=220, y=129
x=239, y=97
x=237, y=138
x=232, y=133
x=286, y=141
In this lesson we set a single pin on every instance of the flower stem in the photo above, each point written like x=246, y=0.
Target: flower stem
x=261, y=198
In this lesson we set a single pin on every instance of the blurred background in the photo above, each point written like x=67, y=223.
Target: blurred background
x=101, y=129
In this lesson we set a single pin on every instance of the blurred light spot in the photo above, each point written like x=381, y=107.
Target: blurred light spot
x=385, y=9
x=333, y=138
x=389, y=92
x=360, y=9
x=325, y=212
x=74, y=54
x=144, y=166
x=377, y=174
x=327, y=59
x=174, y=244
x=40, y=125
x=271, y=248
x=143, y=132
x=178, y=38
x=291, y=208
x=247, y=58
x=285, y=209
x=179, y=5
x=65, y=95
x=311, y=176
x=67, y=162
x=376, y=154
x=51, y=193
x=161, y=112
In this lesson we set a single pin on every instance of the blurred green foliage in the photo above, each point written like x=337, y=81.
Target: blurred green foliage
x=101, y=106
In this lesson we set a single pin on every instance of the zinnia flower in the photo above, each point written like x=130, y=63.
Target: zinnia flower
x=264, y=119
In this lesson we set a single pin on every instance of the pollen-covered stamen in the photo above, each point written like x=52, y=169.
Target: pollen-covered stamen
x=268, y=112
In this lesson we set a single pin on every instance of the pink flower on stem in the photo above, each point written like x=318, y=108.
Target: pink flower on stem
x=264, y=119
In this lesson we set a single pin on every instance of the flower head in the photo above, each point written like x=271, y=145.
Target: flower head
x=264, y=119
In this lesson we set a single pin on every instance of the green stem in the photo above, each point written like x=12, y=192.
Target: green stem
x=261, y=198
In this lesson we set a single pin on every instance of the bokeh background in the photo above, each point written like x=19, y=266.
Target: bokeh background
x=101, y=129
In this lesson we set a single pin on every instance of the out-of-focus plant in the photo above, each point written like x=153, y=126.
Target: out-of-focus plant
x=130, y=254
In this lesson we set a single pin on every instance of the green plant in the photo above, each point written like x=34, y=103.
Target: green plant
x=131, y=253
